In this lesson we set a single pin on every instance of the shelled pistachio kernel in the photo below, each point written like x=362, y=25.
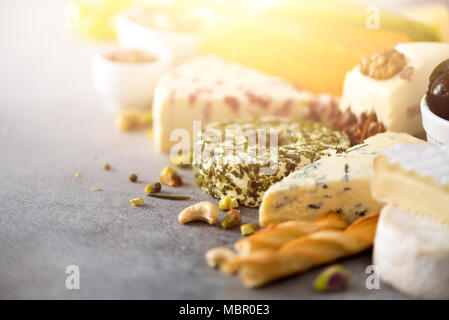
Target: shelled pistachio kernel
x=232, y=219
x=106, y=166
x=170, y=177
x=167, y=170
x=148, y=189
x=182, y=160
x=137, y=202
x=248, y=228
x=133, y=177
x=228, y=202
x=334, y=278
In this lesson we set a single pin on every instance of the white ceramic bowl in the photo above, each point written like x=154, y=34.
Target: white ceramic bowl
x=184, y=45
x=129, y=84
x=437, y=129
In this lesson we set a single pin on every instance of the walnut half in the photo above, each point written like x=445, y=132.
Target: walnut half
x=358, y=128
x=383, y=65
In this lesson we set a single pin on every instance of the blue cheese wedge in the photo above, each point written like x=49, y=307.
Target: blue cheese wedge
x=414, y=177
x=340, y=183
x=210, y=89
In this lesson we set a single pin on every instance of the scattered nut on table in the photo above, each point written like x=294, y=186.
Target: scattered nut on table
x=205, y=211
x=170, y=177
x=137, y=202
x=148, y=189
x=157, y=187
x=332, y=279
x=228, y=202
x=249, y=228
x=232, y=219
x=106, y=166
x=216, y=256
x=133, y=177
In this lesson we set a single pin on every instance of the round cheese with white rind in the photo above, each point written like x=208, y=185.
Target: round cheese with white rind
x=412, y=253
x=241, y=158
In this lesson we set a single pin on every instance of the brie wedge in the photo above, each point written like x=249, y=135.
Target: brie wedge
x=415, y=177
x=412, y=253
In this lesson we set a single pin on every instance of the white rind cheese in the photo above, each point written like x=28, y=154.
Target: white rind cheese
x=211, y=89
x=426, y=159
x=412, y=253
x=396, y=100
x=415, y=177
x=339, y=183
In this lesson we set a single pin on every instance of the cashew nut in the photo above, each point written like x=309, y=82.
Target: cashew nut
x=202, y=211
x=215, y=257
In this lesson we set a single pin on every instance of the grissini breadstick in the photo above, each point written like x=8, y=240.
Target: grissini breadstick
x=284, y=232
x=301, y=254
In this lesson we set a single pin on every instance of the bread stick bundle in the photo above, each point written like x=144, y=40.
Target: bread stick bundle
x=283, y=251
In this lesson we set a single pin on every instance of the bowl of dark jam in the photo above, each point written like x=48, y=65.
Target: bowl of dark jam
x=435, y=105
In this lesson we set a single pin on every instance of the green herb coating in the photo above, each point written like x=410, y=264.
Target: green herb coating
x=233, y=167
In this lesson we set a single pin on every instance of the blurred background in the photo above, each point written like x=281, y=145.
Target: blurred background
x=46, y=45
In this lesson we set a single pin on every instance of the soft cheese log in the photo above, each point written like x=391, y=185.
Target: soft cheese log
x=396, y=100
x=211, y=89
x=412, y=253
x=339, y=183
x=415, y=177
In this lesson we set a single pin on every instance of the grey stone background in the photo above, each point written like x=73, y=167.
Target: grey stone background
x=52, y=126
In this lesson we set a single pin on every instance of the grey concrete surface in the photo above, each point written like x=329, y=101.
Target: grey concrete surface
x=52, y=125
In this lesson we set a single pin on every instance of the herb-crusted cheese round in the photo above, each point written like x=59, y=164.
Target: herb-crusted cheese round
x=243, y=159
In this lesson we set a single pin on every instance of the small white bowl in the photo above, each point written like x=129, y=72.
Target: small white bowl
x=184, y=45
x=129, y=84
x=437, y=129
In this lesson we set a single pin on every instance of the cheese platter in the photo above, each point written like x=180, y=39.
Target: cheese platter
x=333, y=128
